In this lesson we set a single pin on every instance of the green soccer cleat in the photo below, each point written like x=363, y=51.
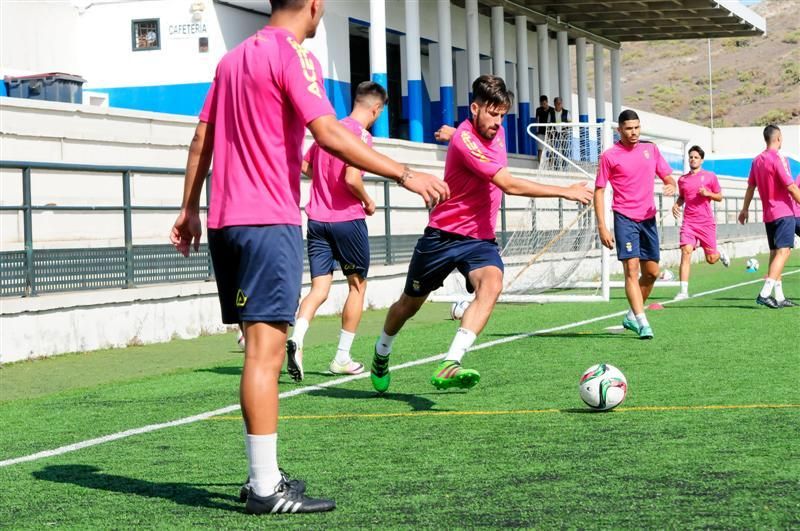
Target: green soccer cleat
x=451, y=374
x=645, y=332
x=379, y=373
x=630, y=324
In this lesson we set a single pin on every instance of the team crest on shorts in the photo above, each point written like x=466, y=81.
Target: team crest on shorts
x=628, y=246
x=415, y=285
x=241, y=299
x=348, y=267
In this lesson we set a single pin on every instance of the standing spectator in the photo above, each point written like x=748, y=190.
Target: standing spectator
x=562, y=136
x=544, y=115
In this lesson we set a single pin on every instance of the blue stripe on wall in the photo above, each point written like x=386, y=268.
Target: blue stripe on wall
x=416, y=130
x=522, y=125
x=381, y=127
x=463, y=113
x=339, y=95
x=446, y=98
x=741, y=167
x=510, y=125
x=175, y=99
x=584, y=135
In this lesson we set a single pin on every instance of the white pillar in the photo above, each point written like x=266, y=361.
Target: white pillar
x=523, y=97
x=583, y=96
x=564, y=81
x=616, y=89
x=543, y=49
x=377, y=59
x=445, y=63
x=413, y=56
x=473, y=42
x=498, y=42
x=463, y=85
x=599, y=83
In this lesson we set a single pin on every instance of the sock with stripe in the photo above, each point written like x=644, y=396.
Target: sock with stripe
x=461, y=342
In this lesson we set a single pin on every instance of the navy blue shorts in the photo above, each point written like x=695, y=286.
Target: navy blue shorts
x=780, y=232
x=797, y=225
x=438, y=253
x=346, y=242
x=259, y=272
x=636, y=239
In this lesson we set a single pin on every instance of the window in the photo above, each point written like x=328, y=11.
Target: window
x=145, y=35
x=203, y=44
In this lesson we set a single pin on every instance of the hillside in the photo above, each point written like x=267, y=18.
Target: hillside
x=756, y=80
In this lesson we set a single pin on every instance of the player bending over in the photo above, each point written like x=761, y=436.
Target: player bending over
x=266, y=91
x=460, y=233
x=780, y=196
x=630, y=166
x=337, y=232
x=696, y=190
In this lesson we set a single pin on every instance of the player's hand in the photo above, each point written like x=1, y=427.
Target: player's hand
x=676, y=211
x=704, y=192
x=444, y=133
x=432, y=189
x=669, y=189
x=580, y=192
x=606, y=238
x=369, y=207
x=743, y=215
x=186, y=232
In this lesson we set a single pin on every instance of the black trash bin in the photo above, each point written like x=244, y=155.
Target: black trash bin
x=54, y=86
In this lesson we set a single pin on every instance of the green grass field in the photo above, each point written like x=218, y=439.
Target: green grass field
x=708, y=436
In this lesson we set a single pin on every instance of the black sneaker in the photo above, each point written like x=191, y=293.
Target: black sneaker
x=246, y=488
x=769, y=302
x=787, y=303
x=287, y=499
x=294, y=361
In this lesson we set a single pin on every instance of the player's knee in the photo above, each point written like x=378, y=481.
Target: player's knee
x=686, y=251
x=712, y=258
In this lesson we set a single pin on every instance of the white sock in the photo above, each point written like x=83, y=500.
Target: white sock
x=631, y=316
x=642, y=320
x=263, y=457
x=767, y=289
x=461, y=342
x=684, y=287
x=299, y=332
x=779, y=296
x=384, y=345
x=343, y=351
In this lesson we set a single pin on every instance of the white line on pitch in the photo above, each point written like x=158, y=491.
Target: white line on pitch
x=331, y=383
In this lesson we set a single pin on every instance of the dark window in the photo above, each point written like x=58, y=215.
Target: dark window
x=202, y=43
x=145, y=35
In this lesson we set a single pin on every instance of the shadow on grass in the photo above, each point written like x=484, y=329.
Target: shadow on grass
x=590, y=335
x=416, y=402
x=92, y=477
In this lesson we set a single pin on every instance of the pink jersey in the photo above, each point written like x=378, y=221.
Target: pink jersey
x=264, y=93
x=697, y=209
x=474, y=201
x=770, y=174
x=796, y=204
x=631, y=172
x=331, y=199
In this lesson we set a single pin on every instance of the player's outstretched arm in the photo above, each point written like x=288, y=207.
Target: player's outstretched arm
x=307, y=169
x=748, y=196
x=187, y=229
x=444, y=133
x=341, y=143
x=794, y=191
x=676, y=208
x=600, y=213
x=355, y=184
x=516, y=186
x=669, y=186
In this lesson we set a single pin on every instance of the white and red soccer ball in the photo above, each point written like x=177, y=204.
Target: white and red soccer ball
x=603, y=387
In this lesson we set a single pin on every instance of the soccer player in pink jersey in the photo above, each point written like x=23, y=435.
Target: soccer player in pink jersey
x=630, y=167
x=780, y=196
x=265, y=92
x=461, y=233
x=696, y=190
x=337, y=232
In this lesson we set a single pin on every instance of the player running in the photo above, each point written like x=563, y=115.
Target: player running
x=266, y=91
x=630, y=166
x=461, y=233
x=696, y=190
x=780, y=196
x=337, y=232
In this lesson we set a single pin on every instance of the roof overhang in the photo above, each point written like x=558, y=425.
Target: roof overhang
x=257, y=7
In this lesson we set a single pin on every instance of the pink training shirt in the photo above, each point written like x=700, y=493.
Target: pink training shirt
x=265, y=91
x=770, y=174
x=697, y=210
x=331, y=200
x=631, y=172
x=796, y=204
x=474, y=201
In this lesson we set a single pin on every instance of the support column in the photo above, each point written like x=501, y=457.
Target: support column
x=562, y=43
x=524, y=95
x=445, y=64
x=543, y=51
x=599, y=91
x=377, y=60
x=616, y=90
x=583, y=97
x=510, y=121
x=413, y=57
x=473, y=44
x=498, y=42
x=462, y=85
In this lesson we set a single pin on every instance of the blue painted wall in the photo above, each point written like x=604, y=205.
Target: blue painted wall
x=175, y=99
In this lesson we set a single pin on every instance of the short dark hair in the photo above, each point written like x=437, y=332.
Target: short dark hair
x=491, y=90
x=542, y=98
x=556, y=99
x=291, y=5
x=769, y=132
x=699, y=151
x=627, y=115
x=370, y=89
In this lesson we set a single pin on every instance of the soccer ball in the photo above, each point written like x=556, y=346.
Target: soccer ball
x=240, y=340
x=666, y=275
x=603, y=387
x=752, y=265
x=457, y=310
